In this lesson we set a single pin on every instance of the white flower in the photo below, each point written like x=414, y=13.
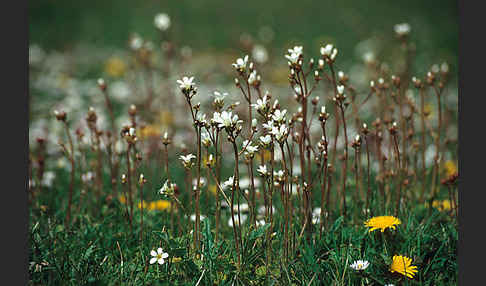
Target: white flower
x=260, y=54
x=240, y=64
x=193, y=217
x=219, y=97
x=402, y=29
x=201, y=118
x=261, y=104
x=253, y=77
x=205, y=139
x=268, y=125
x=87, y=177
x=162, y=21
x=158, y=256
x=327, y=50
x=186, y=83
x=136, y=42
x=262, y=170
x=360, y=265
x=369, y=57
x=296, y=50
x=250, y=149
x=48, y=178
x=254, y=122
x=243, y=219
x=265, y=140
x=228, y=183
x=278, y=115
x=293, y=58
x=167, y=189
x=187, y=160
x=243, y=207
x=226, y=119
x=280, y=132
x=340, y=89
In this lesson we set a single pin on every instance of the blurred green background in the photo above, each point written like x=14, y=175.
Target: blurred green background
x=218, y=25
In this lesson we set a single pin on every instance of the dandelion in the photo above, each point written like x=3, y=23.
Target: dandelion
x=162, y=21
x=444, y=205
x=158, y=256
x=382, y=222
x=359, y=265
x=402, y=265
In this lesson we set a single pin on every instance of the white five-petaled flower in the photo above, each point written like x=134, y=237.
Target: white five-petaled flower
x=187, y=160
x=265, y=140
x=280, y=133
x=268, y=125
x=262, y=170
x=158, y=256
x=240, y=64
x=402, y=29
x=327, y=50
x=219, y=97
x=296, y=50
x=162, y=21
x=205, y=139
x=359, y=265
x=261, y=104
x=186, y=83
x=278, y=115
x=250, y=149
x=294, y=54
x=226, y=119
x=201, y=118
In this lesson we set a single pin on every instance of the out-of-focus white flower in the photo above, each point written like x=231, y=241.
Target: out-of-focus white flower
x=240, y=64
x=243, y=219
x=327, y=50
x=402, y=29
x=48, y=178
x=136, y=42
x=193, y=217
x=86, y=177
x=158, y=256
x=162, y=21
x=219, y=98
x=359, y=265
x=444, y=67
x=369, y=57
x=243, y=207
x=260, y=54
x=340, y=89
x=202, y=182
x=36, y=54
x=186, y=83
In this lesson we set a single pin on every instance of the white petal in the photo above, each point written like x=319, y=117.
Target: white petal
x=161, y=261
x=152, y=260
x=159, y=250
x=165, y=255
x=153, y=253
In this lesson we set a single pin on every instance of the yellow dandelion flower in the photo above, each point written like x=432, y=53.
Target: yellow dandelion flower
x=150, y=131
x=382, y=222
x=402, y=265
x=122, y=199
x=444, y=205
x=161, y=205
x=145, y=204
x=212, y=189
x=450, y=168
x=115, y=67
